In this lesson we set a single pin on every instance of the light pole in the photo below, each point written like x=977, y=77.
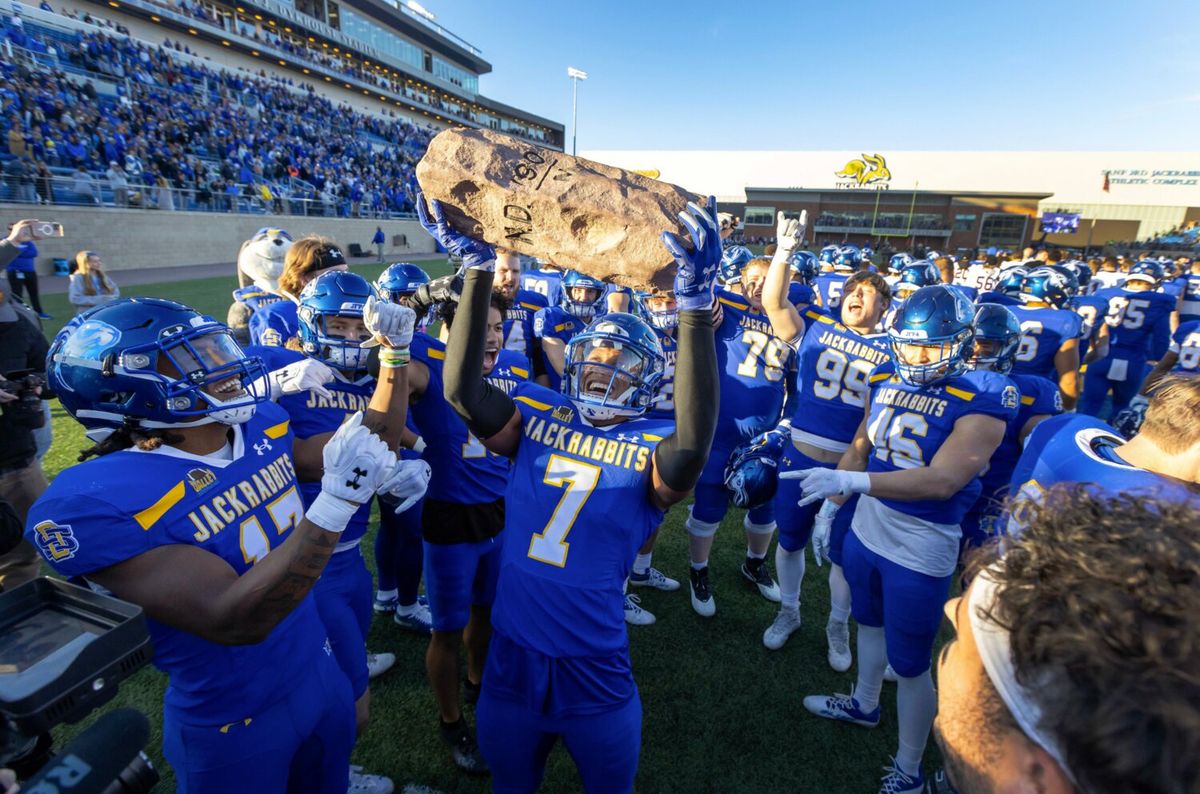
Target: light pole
x=576, y=75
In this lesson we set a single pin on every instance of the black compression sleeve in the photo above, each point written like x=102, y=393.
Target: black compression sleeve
x=485, y=408
x=681, y=456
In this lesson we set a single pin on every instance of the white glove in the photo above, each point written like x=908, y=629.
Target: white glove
x=408, y=483
x=389, y=322
x=821, y=483
x=356, y=462
x=789, y=234
x=822, y=530
x=301, y=376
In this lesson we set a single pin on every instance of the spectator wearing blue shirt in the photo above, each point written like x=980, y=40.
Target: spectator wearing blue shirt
x=22, y=275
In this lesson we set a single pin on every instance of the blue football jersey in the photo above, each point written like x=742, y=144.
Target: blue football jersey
x=1080, y=448
x=547, y=283
x=1091, y=310
x=755, y=367
x=833, y=364
x=1039, y=397
x=1043, y=332
x=274, y=325
x=665, y=407
x=1189, y=309
x=555, y=322
x=585, y=510
x=1186, y=345
x=113, y=508
x=518, y=322
x=1174, y=286
x=829, y=287
x=256, y=297
x=463, y=469
x=800, y=295
x=1000, y=298
x=1138, y=322
x=908, y=425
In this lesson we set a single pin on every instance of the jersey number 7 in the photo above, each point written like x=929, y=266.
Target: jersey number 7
x=550, y=545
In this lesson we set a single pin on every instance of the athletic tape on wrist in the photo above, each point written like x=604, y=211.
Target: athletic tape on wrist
x=995, y=650
x=331, y=513
x=418, y=445
x=394, y=357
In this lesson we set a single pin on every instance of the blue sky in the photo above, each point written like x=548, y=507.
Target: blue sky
x=772, y=74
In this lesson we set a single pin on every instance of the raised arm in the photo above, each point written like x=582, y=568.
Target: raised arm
x=679, y=458
x=785, y=319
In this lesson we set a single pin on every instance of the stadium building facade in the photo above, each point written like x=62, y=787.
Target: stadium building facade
x=946, y=200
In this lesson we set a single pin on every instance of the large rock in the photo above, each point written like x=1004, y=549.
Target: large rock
x=576, y=213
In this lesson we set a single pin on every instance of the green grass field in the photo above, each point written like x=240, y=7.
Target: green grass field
x=722, y=713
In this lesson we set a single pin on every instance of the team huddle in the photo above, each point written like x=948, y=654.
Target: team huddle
x=526, y=431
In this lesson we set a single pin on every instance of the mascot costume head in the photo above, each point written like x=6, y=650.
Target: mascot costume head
x=260, y=261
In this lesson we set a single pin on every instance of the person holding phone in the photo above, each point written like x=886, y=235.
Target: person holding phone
x=21, y=270
x=90, y=286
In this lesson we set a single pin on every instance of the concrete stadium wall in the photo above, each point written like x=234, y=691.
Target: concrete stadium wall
x=132, y=239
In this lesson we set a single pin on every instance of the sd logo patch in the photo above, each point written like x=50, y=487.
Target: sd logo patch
x=56, y=541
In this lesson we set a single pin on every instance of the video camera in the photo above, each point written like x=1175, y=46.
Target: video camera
x=27, y=408
x=63, y=651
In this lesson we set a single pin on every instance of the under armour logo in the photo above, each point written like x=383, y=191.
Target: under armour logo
x=262, y=448
x=627, y=439
x=358, y=475
x=708, y=271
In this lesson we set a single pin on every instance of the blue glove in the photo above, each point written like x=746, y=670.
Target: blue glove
x=476, y=254
x=774, y=442
x=696, y=276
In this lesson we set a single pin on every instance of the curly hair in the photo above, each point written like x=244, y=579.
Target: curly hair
x=882, y=288
x=131, y=435
x=447, y=310
x=1101, y=597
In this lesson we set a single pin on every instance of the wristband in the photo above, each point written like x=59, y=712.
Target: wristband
x=784, y=426
x=418, y=445
x=330, y=512
x=828, y=509
x=394, y=357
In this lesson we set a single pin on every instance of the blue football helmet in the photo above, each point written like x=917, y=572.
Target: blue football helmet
x=933, y=256
x=732, y=262
x=1146, y=270
x=848, y=258
x=915, y=275
x=664, y=318
x=1000, y=327
x=805, y=265
x=337, y=294
x=828, y=254
x=399, y=280
x=1081, y=271
x=152, y=363
x=936, y=318
x=583, y=309
x=752, y=473
x=1049, y=285
x=613, y=367
x=1010, y=278
x=898, y=262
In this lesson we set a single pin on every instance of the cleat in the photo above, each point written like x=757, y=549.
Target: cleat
x=463, y=748
x=634, y=614
x=843, y=708
x=416, y=619
x=896, y=782
x=838, y=637
x=889, y=674
x=655, y=579
x=362, y=783
x=470, y=692
x=939, y=784
x=378, y=664
x=756, y=573
x=702, y=598
x=382, y=606
x=785, y=624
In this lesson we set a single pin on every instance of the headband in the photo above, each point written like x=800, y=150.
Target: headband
x=995, y=650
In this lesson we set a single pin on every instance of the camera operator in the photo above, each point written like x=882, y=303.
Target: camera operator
x=23, y=351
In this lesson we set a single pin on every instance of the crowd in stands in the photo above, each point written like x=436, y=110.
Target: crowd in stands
x=891, y=221
x=1182, y=239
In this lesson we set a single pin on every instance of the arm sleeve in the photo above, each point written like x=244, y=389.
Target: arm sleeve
x=680, y=457
x=793, y=393
x=8, y=252
x=485, y=408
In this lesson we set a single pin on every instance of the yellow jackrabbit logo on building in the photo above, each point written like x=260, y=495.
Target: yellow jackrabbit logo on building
x=871, y=168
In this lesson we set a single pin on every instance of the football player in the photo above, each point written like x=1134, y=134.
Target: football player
x=594, y=478
x=523, y=304
x=1189, y=307
x=1181, y=358
x=464, y=511
x=582, y=299
x=275, y=325
x=399, y=551
x=1008, y=286
x=945, y=266
x=1049, y=331
x=930, y=427
x=214, y=542
x=833, y=362
x=545, y=279
x=997, y=337
x=1139, y=320
x=830, y=284
x=756, y=368
x=732, y=262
